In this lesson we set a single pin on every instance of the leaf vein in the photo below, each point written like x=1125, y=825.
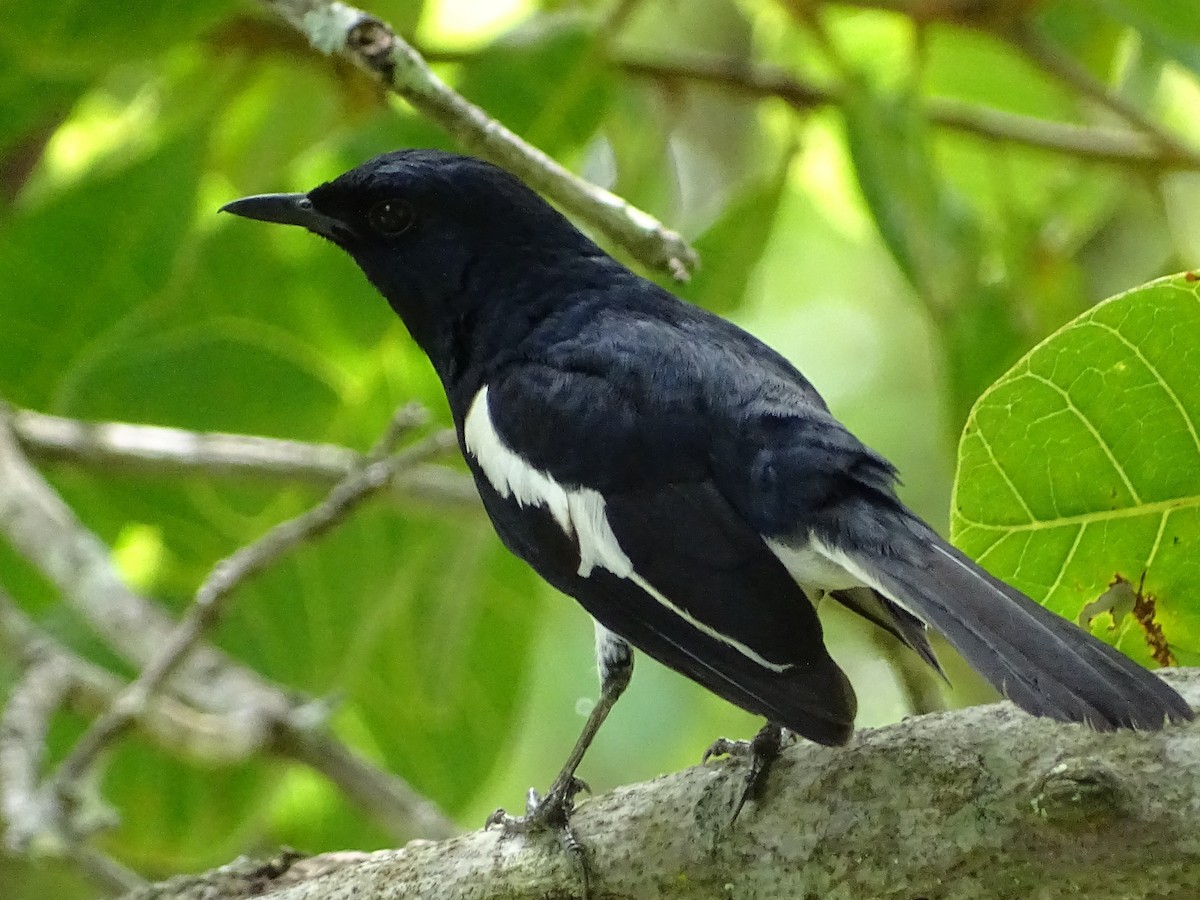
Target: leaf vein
x=1087, y=423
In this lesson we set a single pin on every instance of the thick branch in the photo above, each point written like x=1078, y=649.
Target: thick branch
x=980, y=803
x=373, y=46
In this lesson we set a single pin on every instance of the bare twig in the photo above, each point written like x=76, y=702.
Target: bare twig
x=90, y=689
x=224, y=739
x=155, y=450
x=407, y=418
x=42, y=528
x=104, y=871
x=1049, y=58
x=1100, y=144
x=30, y=813
x=373, y=46
x=254, y=712
x=226, y=576
x=25, y=722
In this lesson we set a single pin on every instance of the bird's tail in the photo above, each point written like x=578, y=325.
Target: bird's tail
x=1040, y=661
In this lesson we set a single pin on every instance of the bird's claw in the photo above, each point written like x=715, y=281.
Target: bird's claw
x=551, y=813
x=726, y=747
x=761, y=752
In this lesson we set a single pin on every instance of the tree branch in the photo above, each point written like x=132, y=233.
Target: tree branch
x=373, y=46
x=1128, y=148
x=1050, y=59
x=173, y=452
x=245, y=709
x=229, y=574
x=980, y=803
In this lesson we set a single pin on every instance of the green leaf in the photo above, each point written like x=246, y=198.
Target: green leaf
x=80, y=35
x=1082, y=465
x=1169, y=25
x=77, y=270
x=545, y=81
x=32, y=103
x=932, y=235
x=733, y=246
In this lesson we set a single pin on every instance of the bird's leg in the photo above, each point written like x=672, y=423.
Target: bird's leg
x=552, y=812
x=762, y=751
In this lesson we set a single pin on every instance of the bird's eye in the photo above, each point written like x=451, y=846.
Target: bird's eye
x=391, y=217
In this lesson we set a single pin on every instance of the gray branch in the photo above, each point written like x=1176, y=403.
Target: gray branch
x=373, y=46
x=1121, y=146
x=229, y=574
x=980, y=803
x=175, y=452
x=238, y=707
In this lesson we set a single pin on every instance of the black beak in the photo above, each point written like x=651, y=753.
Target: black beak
x=289, y=209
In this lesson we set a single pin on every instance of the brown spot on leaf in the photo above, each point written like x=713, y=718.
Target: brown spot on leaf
x=1122, y=599
x=1191, y=276
x=1144, y=608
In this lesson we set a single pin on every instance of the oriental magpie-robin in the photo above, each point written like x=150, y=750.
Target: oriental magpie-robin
x=675, y=475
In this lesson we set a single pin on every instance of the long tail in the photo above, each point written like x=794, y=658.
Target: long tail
x=1040, y=661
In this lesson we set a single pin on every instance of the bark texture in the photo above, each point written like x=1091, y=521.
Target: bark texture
x=979, y=803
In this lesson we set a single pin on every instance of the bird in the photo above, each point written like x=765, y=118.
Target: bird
x=677, y=476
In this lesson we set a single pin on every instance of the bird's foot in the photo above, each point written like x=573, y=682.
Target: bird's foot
x=761, y=752
x=551, y=813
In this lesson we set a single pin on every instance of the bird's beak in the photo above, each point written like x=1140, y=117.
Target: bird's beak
x=289, y=209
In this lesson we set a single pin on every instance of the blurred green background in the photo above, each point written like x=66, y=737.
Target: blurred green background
x=894, y=232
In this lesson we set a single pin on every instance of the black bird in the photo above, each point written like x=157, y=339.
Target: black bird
x=675, y=475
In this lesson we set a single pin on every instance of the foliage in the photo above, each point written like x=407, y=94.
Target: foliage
x=904, y=265
x=1079, y=471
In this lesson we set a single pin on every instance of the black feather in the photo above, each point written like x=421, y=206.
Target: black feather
x=1040, y=661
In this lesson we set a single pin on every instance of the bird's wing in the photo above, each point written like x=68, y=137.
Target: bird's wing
x=612, y=505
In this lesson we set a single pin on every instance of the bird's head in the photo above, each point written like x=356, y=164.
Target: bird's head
x=438, y=234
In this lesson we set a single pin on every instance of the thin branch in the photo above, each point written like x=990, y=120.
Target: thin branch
x=1050, y=59
x=373, y=46
x=174, y=452
x=41, y=527
x=104, y=871
x=229, y=574
x=1100, y=144
x=30, y=813
x=24, y=724
x=173, y=725
x=224, y=739
x=388, y=800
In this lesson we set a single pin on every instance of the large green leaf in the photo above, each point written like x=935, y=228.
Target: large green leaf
x=1081, y=467
x=78, y=271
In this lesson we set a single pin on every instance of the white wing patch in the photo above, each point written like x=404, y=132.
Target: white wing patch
x=510, y=475
x=817, y=565
x=580, y=512
x=814, y=565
